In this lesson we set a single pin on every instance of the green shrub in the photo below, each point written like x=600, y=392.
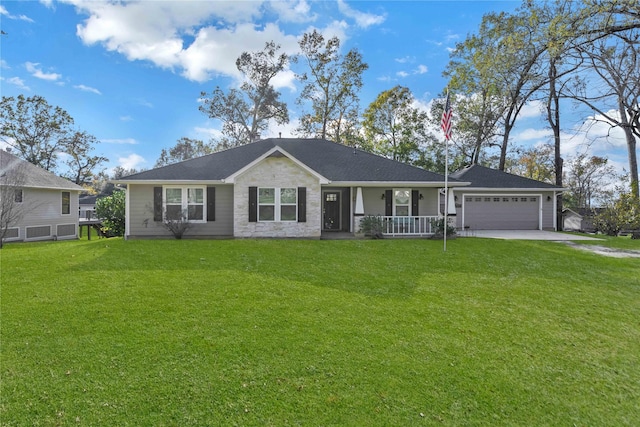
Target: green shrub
x=111, y=210
x=437, y=226
x=372, y=225
x=623, y=214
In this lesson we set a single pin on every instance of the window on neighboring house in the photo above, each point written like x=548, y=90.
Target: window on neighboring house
x=184, y=203
x=402, y=202
x=17, y=195
x=277, y=204
x=66, y=202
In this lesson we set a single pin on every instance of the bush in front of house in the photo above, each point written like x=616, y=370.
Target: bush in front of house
x=438, y=225
x=372, y=226
x=111, y=211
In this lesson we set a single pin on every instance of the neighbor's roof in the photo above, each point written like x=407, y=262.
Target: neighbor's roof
x=483, y=177
x=20, y=173
x=335, y=162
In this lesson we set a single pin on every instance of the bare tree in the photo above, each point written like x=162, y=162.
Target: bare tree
x=81, y=163
x=331, y=85
x=615, y=96
x=185, y=149
x=12, y=203
x=245, y=113
x=588, y=179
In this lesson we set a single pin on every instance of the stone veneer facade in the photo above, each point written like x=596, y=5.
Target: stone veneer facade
x=279, y=172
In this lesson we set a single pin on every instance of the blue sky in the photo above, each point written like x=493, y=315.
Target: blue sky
x=131, y=74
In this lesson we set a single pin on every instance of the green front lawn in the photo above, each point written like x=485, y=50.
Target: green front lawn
x=344, y=333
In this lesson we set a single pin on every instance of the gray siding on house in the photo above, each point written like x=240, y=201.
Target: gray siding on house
x=375, y=205
x=141, y=223
x=548, y=211
x=42, y=215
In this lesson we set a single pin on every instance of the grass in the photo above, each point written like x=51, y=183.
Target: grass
x=331, y=333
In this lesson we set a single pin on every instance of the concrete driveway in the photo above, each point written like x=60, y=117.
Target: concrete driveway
x=524, y=235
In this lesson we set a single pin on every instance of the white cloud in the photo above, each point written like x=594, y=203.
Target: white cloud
x=128, y=141
x=88, y=89
x=285, y=79
x=602, y=135
x=144, y=102
x=5, y=12
x=406, y=59
x=422, y=69
x=126, y=118
x=297, y=11
x=362, y=19
x=531, y=134
x=207, y=133
x=531, y=109
x=155, y=31
x=16, y=81
x=210, y=52
x=132, y=161
x=34, y=69
x=4, y=64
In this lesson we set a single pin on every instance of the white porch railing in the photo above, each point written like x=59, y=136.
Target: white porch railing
x=408, y=225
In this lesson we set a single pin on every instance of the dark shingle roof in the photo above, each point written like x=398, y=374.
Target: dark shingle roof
x=17, y=172
x=335, y=162
x=483, y=177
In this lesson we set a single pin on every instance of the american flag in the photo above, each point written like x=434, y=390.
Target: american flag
x=446, y=119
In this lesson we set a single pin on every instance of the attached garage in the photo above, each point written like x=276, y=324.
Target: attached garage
x=501, y=212
x=496, y=200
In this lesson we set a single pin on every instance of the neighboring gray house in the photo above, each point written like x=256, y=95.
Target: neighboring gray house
x=45, y=205
x=87, y=209
x=497, y=200
x=580, y=219
x=284, y=187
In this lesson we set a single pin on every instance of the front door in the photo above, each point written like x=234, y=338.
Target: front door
x=331, y=210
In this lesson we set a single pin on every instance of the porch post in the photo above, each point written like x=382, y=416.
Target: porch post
x=359, y=210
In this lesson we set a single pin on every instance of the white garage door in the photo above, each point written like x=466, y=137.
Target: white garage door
x=502, y=212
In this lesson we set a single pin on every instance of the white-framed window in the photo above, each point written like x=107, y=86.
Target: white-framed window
x=66, y=202
x=277, y=204
x=402, y=202
x=184, y=203
x=18, y=195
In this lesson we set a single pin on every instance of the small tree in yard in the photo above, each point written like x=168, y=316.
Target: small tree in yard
x=176, y=223
x=111, y=210
x=11, y=203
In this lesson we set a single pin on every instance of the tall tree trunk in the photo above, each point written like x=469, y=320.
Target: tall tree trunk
x=553, y=117
x=632, y=148
x=505, y=145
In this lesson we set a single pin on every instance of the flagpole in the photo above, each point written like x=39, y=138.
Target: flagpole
x=446, y=188
x=446, y=127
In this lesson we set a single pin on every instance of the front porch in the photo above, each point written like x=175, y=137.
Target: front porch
x=391, y=226
x=402, y=226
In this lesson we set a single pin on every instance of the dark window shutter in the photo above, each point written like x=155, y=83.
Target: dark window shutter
x=302, y=204
x=388, y=203
x=157, y=203
x=415, y=196
x=211, y=203
x=253, y=204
